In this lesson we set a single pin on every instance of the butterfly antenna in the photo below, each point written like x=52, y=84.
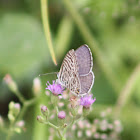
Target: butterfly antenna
x=48, y=73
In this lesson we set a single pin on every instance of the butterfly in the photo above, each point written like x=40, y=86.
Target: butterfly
x=76, y=71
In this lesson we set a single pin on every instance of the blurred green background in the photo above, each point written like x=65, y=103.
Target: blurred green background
x=111, y=28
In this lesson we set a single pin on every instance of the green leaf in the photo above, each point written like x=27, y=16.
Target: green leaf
x=23, y=47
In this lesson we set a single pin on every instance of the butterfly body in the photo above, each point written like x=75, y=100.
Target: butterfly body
x=76, y=71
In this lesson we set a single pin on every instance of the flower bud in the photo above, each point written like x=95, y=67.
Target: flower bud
x=60, y=104
x=20, y=124
x=81, y=124
x=73, y=127
x=117, y=126
x=96, y=135
x=61, y=117
x=40, y=119
x=11, y=84
x=79, y=134
x=14, y=109
x=88, y=133
x=65, y=125
x=44, y=111
x=11, y=117
x=96, y=121
x=17, y=130
x=103, y=125
x=103, y=136
x=110, y=126
x=36, y=86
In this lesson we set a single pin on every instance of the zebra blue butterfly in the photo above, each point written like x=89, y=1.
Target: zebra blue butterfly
x=76, y=71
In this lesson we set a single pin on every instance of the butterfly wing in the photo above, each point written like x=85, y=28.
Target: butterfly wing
x=84, y=60
x=76, y=71
x=85, y=65
x=68, y=75
x=86, y=83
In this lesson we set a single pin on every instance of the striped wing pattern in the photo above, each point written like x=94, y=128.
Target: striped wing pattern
x=68, y=74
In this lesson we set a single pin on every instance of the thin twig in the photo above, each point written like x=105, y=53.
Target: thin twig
x=45, y=20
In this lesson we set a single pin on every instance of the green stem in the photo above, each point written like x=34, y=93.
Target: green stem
x=45, y=20
x=20, y=96
x=72, y=122
x=52, y=125
x=60, y=135
x=57, y=111
x=87, y=35
x=22, y=112
x=26, y=104
x=127, y=90
x=31, y=101
x=57, y=128
x=10, y=131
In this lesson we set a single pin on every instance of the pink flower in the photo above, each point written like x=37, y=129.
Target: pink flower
x=44, y=108
x=61, y=115
x=56, y=89
x=87, y=101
